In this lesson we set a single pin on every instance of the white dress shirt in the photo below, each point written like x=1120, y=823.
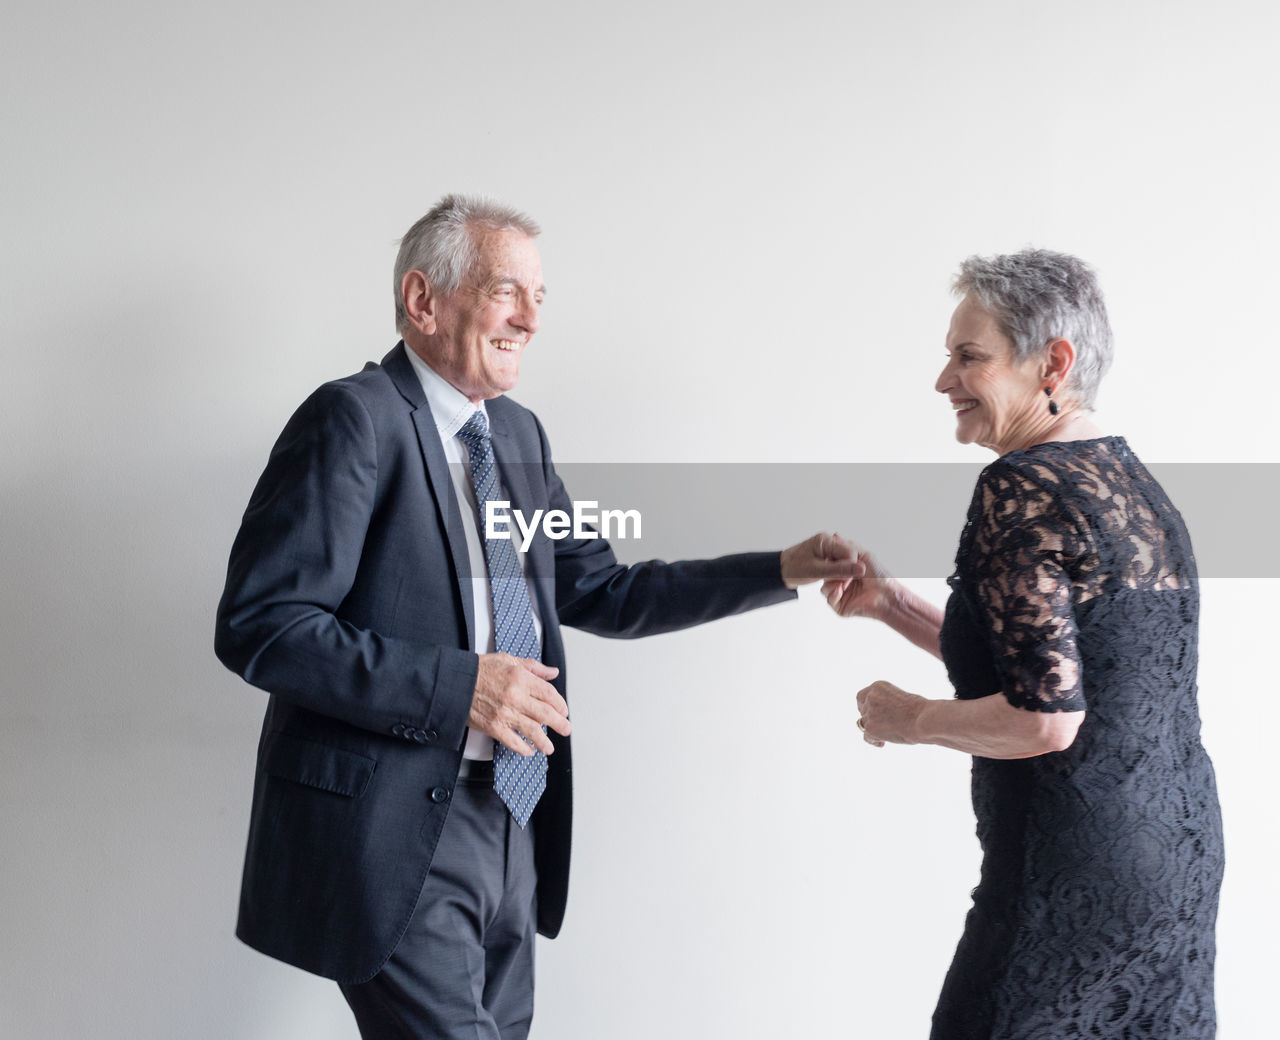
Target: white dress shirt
x=451, y=409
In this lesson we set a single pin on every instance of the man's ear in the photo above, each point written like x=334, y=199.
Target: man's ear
x=420, y=302
x=1059, y=358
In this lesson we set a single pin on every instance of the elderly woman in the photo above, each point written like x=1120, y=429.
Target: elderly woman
x=1070, y=638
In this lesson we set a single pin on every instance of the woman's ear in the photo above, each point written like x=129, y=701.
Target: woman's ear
x=1059, y=358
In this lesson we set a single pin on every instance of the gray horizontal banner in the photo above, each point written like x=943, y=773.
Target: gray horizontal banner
x=908, y=514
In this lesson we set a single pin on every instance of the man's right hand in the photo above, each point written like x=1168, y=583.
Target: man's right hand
x=513, y=701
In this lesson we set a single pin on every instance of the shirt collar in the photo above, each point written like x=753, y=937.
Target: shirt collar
x=449, y=406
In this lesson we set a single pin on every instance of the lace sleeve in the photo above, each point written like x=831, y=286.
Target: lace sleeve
x=1015, y=574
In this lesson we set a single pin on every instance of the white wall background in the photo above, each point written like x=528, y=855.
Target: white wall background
x=745, y=204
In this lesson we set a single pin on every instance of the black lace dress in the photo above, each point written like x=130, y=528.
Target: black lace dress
x=1076, y=590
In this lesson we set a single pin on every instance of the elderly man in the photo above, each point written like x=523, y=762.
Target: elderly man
x=411, y=808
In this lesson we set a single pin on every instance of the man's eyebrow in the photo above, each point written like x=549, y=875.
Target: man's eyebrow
x=511, y=280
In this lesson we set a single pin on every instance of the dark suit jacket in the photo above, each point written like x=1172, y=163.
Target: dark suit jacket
x=348, y=599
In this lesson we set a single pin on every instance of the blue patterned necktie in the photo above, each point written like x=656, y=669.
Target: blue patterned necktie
x=518, y=779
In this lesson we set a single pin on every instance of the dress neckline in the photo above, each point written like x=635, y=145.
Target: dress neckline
x=1114, y=440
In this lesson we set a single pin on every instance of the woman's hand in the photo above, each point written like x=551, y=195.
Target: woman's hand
x=989, y=727
x=888, y=714
x=870, y=596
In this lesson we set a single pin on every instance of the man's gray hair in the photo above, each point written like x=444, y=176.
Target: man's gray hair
x=1037, y=296
x=442, y=245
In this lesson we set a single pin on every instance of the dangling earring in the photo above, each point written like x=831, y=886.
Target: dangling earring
x=1053, y=405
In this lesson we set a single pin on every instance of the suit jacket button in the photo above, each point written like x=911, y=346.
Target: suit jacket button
x=398, y=729
x=420, y=736
x=408, y=733
x=432, y=736
x=439, y=794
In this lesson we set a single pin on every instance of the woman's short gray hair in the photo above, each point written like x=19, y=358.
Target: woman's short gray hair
x=442, y=245
x=1037, y=296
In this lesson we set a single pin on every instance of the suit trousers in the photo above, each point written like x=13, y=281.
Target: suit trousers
x=464, y=968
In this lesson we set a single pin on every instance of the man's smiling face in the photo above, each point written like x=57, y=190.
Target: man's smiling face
x=482, y=329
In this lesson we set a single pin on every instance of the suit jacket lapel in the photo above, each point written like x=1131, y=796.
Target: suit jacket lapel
x=399, y=368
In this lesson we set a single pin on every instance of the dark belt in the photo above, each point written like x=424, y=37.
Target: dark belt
x=476, y=771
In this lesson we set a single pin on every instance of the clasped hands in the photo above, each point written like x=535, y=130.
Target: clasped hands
x=514, y=698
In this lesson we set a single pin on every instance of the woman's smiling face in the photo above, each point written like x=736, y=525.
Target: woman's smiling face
x=998, y=400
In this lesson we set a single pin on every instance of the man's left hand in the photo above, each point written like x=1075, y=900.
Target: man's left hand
x=820, y=558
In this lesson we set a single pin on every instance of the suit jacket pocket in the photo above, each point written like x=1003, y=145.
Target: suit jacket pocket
x=317, y=765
